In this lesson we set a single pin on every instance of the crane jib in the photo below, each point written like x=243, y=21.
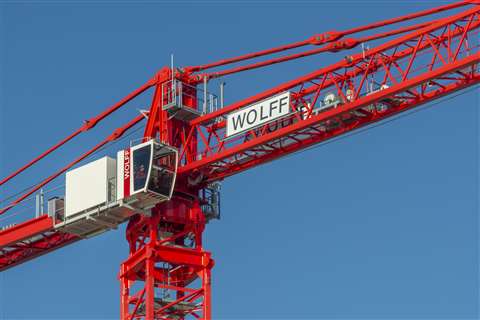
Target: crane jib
x=258, y=114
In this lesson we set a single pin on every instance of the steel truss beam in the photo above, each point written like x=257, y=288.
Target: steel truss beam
x=415, y=69
x=30, y=240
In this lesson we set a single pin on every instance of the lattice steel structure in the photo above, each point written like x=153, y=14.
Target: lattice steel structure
x=167, y=272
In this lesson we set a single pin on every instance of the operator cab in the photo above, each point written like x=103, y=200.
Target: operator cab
x=104, y=193
x=146, y=174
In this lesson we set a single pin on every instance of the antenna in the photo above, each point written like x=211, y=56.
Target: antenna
x=171, y=63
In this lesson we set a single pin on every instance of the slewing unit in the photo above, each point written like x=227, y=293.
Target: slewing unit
x=104, y=193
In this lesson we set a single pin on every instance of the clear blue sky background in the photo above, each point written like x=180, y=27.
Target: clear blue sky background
x=382, y=225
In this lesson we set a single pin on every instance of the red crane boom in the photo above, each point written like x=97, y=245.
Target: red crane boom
x=422, y=63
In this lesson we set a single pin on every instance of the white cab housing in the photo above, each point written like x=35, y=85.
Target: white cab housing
x=106, y=192
x=90, y=185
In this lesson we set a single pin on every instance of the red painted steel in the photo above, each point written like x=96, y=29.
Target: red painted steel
x=167, y=273
x=339, y=45
x=395, y=57
x=33, y=245
x=50, y=239
x=114, y=136
x=356, y=60
x=88, y=124
x=326, y=37
x=25, y=230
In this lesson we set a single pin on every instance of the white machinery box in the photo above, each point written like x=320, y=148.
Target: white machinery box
x=90, y=186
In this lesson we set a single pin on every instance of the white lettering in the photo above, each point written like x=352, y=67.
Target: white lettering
x=126, y=165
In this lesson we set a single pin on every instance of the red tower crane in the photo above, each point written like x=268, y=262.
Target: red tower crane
x=194, y=142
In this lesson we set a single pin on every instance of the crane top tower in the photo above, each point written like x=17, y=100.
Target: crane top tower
x=167, y=184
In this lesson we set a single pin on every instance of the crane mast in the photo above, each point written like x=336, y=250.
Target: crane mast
x=167, y=274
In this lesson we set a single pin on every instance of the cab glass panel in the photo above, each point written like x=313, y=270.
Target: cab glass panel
x=162, y=177
x=141, y=165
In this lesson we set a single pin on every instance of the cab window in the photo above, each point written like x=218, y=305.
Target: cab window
x=161, y=181
x=141, y=164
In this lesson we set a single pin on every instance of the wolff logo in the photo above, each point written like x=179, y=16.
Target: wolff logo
x=126, y=172
x=258, y=114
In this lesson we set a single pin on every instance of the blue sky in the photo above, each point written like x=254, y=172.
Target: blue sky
x=380, y=225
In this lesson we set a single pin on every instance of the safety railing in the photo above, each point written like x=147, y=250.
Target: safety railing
x=177, y=93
